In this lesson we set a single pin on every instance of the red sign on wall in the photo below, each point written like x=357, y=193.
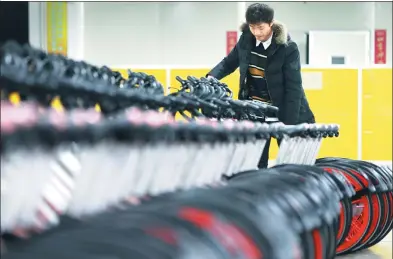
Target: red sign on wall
x=380, y=47
x=231, y=40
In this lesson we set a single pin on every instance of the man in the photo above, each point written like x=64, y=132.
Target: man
x=269, y=65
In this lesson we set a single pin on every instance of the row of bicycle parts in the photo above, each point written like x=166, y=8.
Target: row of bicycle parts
x=174, y=172
x=36, y=75
x=68, y=144
x=285, y=212
x=198, y=191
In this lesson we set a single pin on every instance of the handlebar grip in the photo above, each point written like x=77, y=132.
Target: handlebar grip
x=277, y=130
x=192, y=78
x=208, y=104
x=335, y=127
x=220, y=102
x=333, y=130
x=252, y=106
x=215, y=80
x=238, y=103
x=292, y=130
x=179, y=79
x=272, y=109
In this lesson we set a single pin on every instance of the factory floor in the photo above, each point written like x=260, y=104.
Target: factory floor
x=383, y=250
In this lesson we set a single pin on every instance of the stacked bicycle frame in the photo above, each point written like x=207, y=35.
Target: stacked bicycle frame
x=130, y=181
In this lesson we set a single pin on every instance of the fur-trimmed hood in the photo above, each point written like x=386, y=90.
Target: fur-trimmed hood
x=280, y=32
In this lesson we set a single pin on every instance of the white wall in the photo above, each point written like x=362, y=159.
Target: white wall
x=75, y=27
x=160, y=33
x=352, y=46
x=37, y=28
x=191, y=33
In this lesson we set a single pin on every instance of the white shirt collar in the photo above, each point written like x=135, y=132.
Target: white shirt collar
x=266, y=43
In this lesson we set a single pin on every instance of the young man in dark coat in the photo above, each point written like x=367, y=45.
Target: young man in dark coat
x=269, y=66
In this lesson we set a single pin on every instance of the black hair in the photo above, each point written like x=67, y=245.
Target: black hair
x=258, y=13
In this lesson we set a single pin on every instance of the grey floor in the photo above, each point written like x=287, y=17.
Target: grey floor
x=363, y=255
x=383, y=250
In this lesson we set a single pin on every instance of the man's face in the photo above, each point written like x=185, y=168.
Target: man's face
x=261, y=31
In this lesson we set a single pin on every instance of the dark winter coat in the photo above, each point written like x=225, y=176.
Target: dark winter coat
x=282, y=73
